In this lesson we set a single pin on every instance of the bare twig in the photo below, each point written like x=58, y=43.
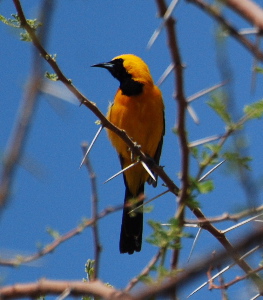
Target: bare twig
x=97, y=245
x=91, y=106
x=17, y=141
x=144, y=272
x=56, y=287
x=230, y=28
x=195, y=269
x=52, y=246
x=182, y=107
x=227, y=216
x=248, y=10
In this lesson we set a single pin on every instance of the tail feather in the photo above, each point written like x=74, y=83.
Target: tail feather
x=132, y=225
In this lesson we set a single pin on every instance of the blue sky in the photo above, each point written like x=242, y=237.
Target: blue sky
x=56, y=193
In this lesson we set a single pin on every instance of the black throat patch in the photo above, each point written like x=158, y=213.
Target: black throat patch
x=128, y=86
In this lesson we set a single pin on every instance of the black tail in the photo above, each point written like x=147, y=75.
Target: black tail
x=132, y=225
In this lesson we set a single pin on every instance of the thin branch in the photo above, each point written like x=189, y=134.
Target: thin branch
x=56, y=287
x=181, y=117
x=144, y=272
x=227, y=216
x=95, y=229
x=248, y=10
x=18, y=138
x=224, y=270
x=52, y=246
x=92, y=106
x=210, y=9
x=200, y=266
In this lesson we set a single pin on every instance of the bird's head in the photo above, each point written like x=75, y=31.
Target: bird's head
x=131, y=71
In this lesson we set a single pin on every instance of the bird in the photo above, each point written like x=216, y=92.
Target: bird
x=138, y=109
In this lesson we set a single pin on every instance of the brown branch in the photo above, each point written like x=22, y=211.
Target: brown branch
x=51, y=247
x=95, y=229
x=200, y=266
x=18, y=139
x=145, y=271
x=52, y=287
x=232, y=252
x=227, y=216
x=236, y=280
x=248, y=10
x=181, y=128
x=210, y=9
x=91, y=106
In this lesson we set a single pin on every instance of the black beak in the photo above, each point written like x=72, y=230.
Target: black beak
x=108, y=65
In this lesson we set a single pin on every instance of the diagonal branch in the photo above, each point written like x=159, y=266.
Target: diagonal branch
x=18, y=138
x=56, y=287
x=95, y=229
x=58, y=241
x=181, y=117
x=230, y=28
x=92, y=106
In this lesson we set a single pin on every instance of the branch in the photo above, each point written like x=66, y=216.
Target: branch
x=92, y=106
x=145, y=271
x=227, y=216
x=17, y=141
x=97, y=246
x=210, y=9
x=200, y=266
x=51, y=247
x=52, y=287
x=248, y=10
x=181, y=128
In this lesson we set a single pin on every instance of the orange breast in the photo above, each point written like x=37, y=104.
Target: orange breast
x=142, y=118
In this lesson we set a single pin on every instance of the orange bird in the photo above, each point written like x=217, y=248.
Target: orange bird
x=139, y=110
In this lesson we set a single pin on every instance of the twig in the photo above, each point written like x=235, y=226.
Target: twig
x=224, y=270
x=191, y=272
x=230, y=28
x=144, y=272
x=91, y=106
x=18, y=138
x=248, y=10
x=227, y=216
x=182, y=106
x=56, y=287
x=95, y=229
x=51, y=247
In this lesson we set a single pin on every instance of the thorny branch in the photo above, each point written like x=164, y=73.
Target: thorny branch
x=210, y=9
x=182, y=108
x=191, y=272
x=18, y=139
x=172, y=41
x=52, y=246
x=95, y=229
x=231, y=250
x=91, y=106
x=56, y=287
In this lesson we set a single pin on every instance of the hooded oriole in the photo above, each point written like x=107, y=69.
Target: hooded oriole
x=139, y=110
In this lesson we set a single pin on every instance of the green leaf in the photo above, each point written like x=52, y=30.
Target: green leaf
x=51, y=76
x=11, y=22
x=54, y=233
x=25, y=37
x=194, y=151
x=254, y=110
x=164, y=236
x=89, y=268
x=258, y=69
x=237, y=160
x=218, y=104
x=205, y=187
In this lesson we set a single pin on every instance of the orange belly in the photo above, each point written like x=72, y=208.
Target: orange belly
x=142, y=118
